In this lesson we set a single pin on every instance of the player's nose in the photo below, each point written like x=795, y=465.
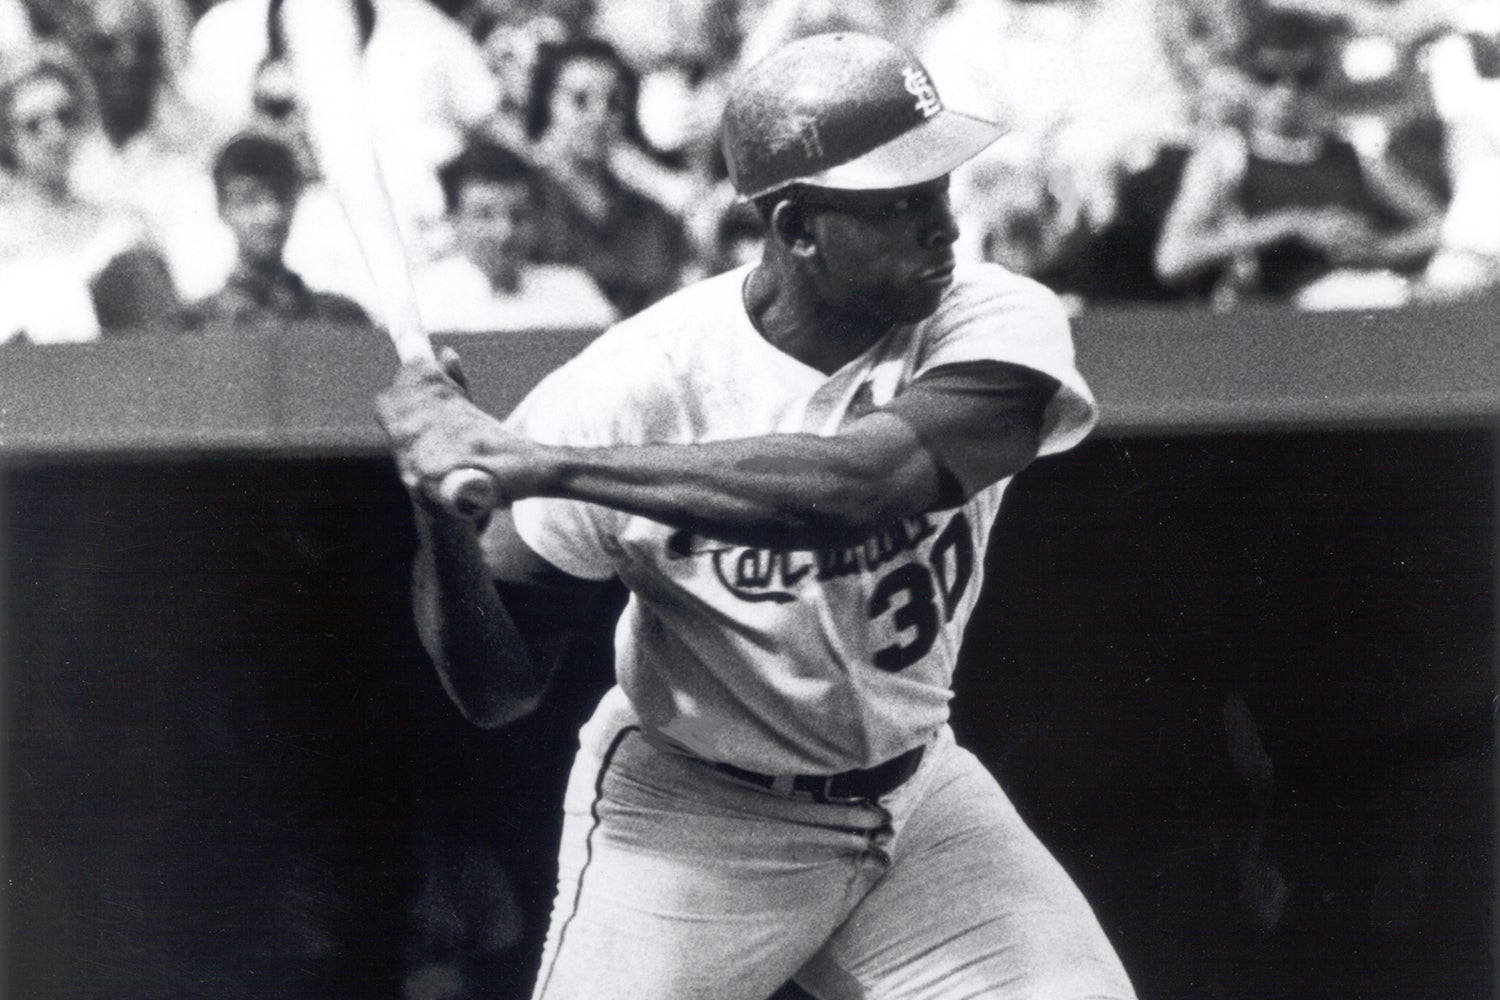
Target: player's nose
x=940, y=227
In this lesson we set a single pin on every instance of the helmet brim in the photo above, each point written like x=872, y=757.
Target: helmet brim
x=927, y=152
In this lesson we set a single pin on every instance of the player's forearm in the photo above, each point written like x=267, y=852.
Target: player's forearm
x=480, y=655
x=777, y=491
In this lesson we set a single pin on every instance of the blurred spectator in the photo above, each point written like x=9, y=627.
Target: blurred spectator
x=152, y=159
x=684, y=51
x=574, y=17
x=257, y=182
x=582, y=115
x=63, y=258
x=1014, y=210
x=1088, y=94
x=652, y=33
x=738, y=239
x=322, y=247
x=1112, y=263
x=769, y=24
x=1201, y=40
x=1464, y=69
x=510, y=44
x=1021, y=207
x=15, y=31
x=426, y=85
x=557, y=20
x=1011, y=61
x=489, y=282
x=1281, y=207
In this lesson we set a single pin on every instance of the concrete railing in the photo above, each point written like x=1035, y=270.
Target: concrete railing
x=305, y=389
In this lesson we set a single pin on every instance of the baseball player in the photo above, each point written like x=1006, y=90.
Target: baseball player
x=794, y=467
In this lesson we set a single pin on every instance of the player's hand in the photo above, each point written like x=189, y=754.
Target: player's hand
x=435, y=429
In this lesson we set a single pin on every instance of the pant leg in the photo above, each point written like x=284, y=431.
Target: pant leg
x=972, y=905
x=677, y=882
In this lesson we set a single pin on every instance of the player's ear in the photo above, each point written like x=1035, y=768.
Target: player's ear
x=789, y=227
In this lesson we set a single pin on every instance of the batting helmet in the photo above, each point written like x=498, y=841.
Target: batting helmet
x=845, y=111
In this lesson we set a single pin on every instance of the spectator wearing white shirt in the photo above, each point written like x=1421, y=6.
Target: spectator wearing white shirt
x=1463, y=67
x=426, y=81
x=70, y=268
x=15, y=29
x=489, y=282
x=151, y=155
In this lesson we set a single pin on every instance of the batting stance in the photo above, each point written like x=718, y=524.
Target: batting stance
x=794, y=467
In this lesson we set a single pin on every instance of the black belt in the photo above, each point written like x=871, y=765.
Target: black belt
x=863, y=785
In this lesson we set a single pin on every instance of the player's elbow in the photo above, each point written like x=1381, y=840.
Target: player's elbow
x=487, y=701
x=489, y=691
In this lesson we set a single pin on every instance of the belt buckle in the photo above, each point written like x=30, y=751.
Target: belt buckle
x=823, y=793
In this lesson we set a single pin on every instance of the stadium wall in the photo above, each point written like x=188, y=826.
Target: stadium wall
x=226, y=759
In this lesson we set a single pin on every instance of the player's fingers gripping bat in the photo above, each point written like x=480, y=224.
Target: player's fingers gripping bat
x=324, y=47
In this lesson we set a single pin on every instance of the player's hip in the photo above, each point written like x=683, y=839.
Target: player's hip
x=625, y=765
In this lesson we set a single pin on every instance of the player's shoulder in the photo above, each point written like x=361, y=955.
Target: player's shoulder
x=623, y=384
x=985, y=279
x=684, y=321
x=984, y=290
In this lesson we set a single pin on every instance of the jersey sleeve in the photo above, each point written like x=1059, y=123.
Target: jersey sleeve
x=955, y=409
x=567, y=408
x=994, y=315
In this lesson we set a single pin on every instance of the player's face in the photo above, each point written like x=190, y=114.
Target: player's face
x=45, y=118
x=587, y=109
x=885, y=254
x=259, y=216
x=495, y=225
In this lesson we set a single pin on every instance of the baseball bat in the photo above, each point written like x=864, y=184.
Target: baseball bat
x=325, y=50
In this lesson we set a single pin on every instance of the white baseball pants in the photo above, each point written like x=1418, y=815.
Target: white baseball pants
x=678, y=882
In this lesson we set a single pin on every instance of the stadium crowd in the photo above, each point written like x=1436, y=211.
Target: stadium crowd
x=555, y=163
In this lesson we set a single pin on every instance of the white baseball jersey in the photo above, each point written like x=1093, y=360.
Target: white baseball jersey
x=785, y=661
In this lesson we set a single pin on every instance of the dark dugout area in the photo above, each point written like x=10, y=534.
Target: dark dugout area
x=1241, y=684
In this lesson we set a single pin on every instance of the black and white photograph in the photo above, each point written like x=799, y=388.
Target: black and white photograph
x=749, y=499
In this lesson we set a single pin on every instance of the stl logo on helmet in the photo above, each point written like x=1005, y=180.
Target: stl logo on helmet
x=920, y=87
x=812, y=138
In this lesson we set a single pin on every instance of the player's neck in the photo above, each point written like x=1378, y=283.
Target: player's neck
x=796, y=321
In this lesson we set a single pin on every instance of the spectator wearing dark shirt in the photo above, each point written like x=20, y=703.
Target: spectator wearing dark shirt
x=257, y=182
x=582, y=113
x=1284, y=208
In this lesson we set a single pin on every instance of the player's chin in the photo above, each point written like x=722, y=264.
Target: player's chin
x=921, y=300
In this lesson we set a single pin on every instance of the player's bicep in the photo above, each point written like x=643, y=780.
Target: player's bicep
x=979, y=421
